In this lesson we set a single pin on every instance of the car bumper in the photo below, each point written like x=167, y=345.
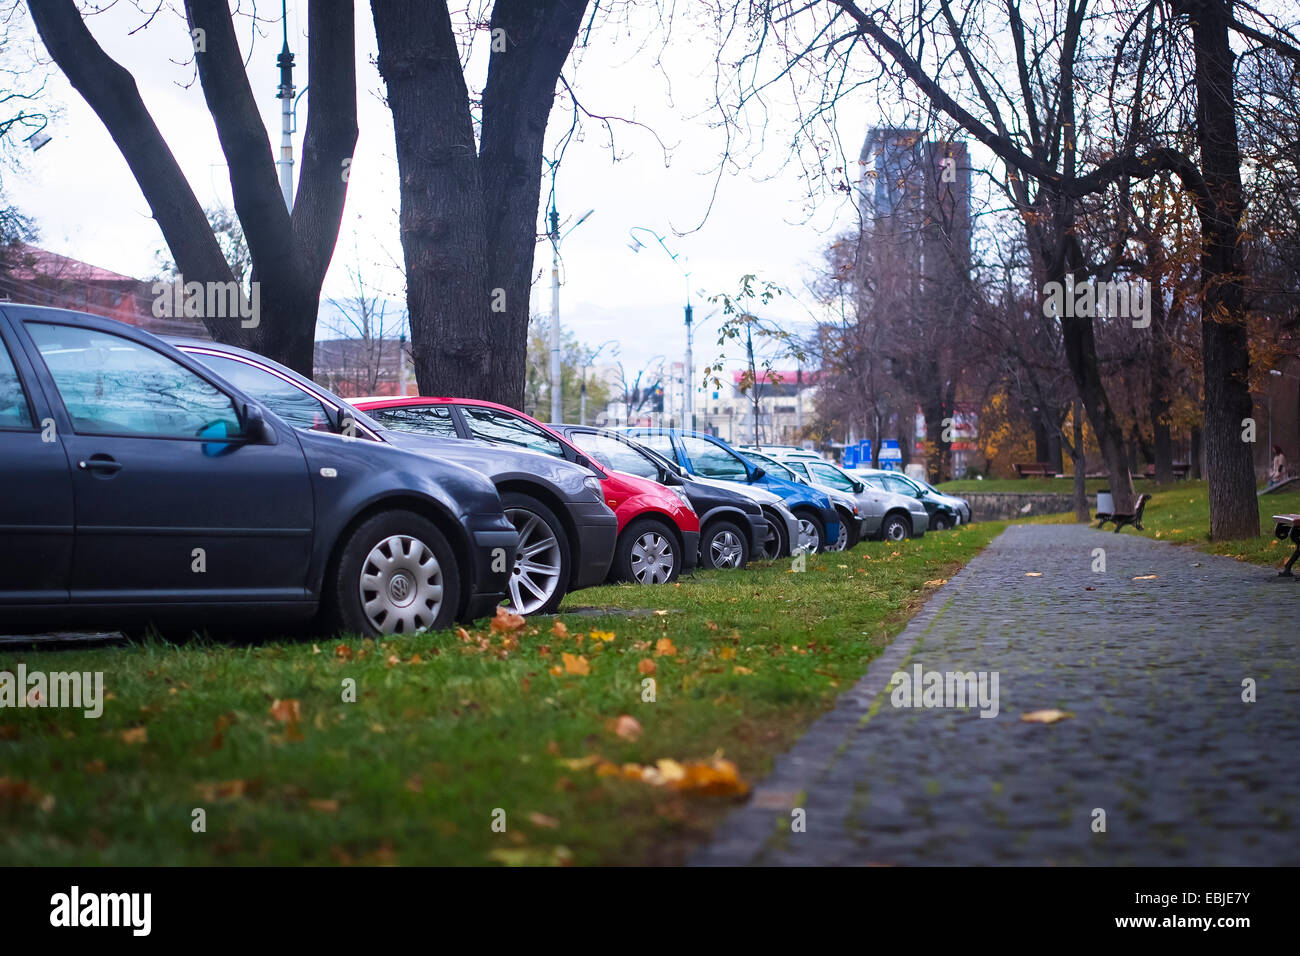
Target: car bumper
x=597, y=529
x=493, y=542
x=690, y=549
x=757, y=532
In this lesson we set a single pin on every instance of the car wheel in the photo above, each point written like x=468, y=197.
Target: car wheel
x=942, y=522
x=540, y=577
x=812, y=532
x=396, y=574
x=895, y=528
x=723, y=546
x=847, y=539
x=647, y=553
x=775, y=544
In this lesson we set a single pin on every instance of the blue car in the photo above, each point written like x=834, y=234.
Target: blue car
x=705, y=456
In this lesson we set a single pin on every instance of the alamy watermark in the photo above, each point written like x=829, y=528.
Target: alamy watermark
x=1118, y=300
x=963, y=689
x=213, y=300
x=76, y=689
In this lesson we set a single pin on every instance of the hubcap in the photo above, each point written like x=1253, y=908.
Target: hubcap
x=842, y=539
x=401, y=585
x=897, y=532
x=537, y=563
x=725, y=550
x=809, y=538
x=652, y=558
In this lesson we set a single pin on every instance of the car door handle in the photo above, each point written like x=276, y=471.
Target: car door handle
x=100, y=463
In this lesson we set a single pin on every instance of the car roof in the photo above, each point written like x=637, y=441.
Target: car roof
x=390, y=400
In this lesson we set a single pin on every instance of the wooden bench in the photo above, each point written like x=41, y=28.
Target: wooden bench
x=1181, y=470
x=1041, y=469
x=1288, y=528
x=1135, y=519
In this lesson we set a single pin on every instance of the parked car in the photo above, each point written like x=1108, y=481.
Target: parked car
x=137, y=486
x=566, y=533
x=658, y=530
x=944, y=513
x=709, y=457
x=961, y=505
x=732, y=526
x=886, y=515
x=852, y=524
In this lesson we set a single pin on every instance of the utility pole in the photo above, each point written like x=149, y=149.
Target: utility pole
x=557, y=386
x=285, y=95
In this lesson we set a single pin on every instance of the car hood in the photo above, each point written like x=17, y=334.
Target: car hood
x=761, y=495
x=499, y=463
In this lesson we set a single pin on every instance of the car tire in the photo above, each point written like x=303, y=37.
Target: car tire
x=812, y=530
x=395, y=574
x=647, y=553
x=539, y=577
x=775, y=544
x=723, y=546
x=848, y=536
x=895, y=527
x=941, y=522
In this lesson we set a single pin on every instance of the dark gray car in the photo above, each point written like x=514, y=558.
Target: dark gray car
x=566, y=531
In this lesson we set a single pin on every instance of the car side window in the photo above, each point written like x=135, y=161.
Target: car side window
x=422, y=419
x=614, y=454
x=900, y=486
x=714, y=461
x=798, y=468
x=661, y=442
x=501, y=428
x=112, y=385
x=296, y=406
x=15, y=412
x=831, y=477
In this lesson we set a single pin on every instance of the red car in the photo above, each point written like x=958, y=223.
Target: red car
x=658, y=530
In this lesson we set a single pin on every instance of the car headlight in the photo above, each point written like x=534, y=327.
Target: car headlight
x=592, y=484
x=685, y=500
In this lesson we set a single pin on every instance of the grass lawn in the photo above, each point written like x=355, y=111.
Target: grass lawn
x=451, y=731
x=1180, y=512
x=1062, y=486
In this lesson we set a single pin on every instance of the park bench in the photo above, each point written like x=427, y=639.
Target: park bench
x=1288, y=527
x=1042, y=469
x=1135, y=519
x=1181, y=469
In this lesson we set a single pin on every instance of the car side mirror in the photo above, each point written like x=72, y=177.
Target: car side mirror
x=257, y=431
x=758, y=474
x=582, y=460
x=858, y=487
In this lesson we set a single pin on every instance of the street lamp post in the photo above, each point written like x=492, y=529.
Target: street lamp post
x=688, y=398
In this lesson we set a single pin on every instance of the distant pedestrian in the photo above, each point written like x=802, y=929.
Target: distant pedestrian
x=1278, y=471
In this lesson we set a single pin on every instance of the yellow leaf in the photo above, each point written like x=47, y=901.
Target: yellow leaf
x=324, y=806
x=1033, y=574
x=1049, y=716
x=741, y=670
x=727, y=653
x=1146, y=577
x=574, y=664
x=542, y=820
x=602, y=635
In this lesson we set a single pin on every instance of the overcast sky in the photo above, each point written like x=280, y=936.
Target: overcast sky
x=87, y=205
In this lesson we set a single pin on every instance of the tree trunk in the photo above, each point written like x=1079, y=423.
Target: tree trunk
x=1225, y=350
x=1081, y=512
x=469, y=210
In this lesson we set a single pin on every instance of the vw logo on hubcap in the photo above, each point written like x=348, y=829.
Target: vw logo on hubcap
x=399, y=588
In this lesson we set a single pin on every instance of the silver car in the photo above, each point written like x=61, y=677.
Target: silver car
x=886, y=515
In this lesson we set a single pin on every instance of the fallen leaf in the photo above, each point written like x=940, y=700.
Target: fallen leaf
x=1146, y=577
x=576, y=664
x=286, y=711
x=602, y=635
x=664, y=647
x=647, y=666
x=559, y=629
x=1033, y=574
x=324, y=806
x=542, y=820
x=1049, y=716
x=343, y=652
x=506, y=622
x=627, y=727
x=135, y=735
x=741, y=670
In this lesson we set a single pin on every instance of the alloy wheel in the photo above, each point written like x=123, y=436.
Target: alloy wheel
x=810, y=538
x=401, y=585
x=537, y=562
x=725, y=549
x=842, y=539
